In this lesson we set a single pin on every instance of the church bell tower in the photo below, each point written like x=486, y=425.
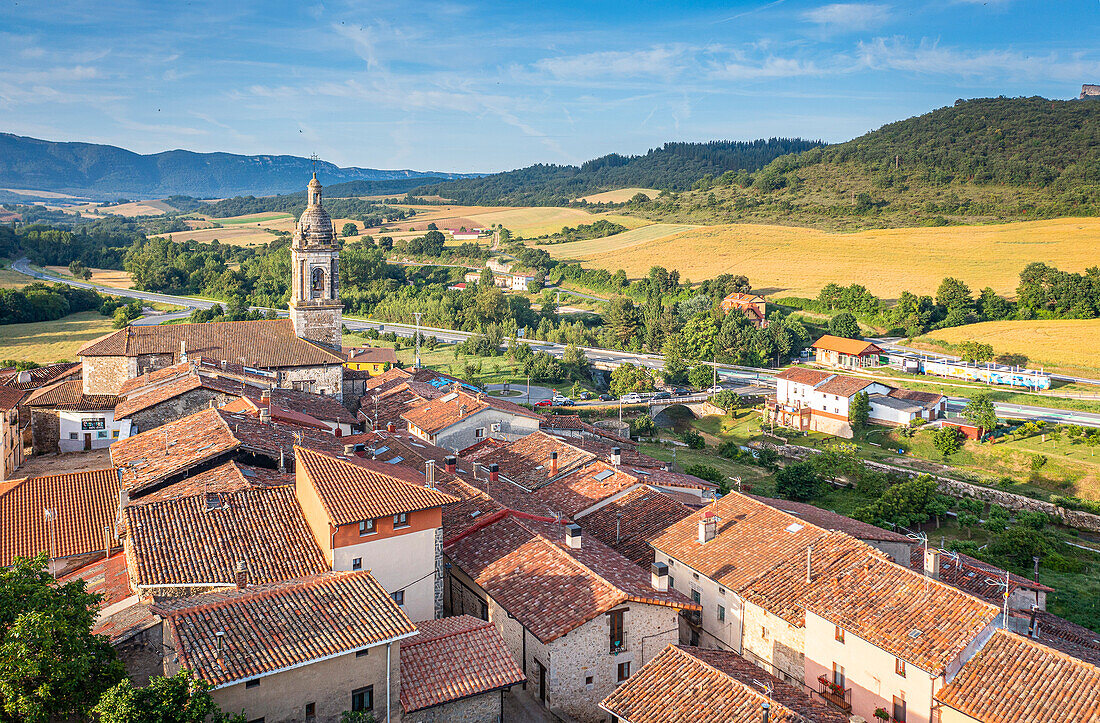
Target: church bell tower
x=315, y=306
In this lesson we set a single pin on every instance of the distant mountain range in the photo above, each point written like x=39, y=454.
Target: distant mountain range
x=102, y=172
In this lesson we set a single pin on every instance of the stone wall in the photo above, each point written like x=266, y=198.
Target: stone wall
x=181, y=406
x=143, y=654
x=484, y=708
x=105, y=374
x=325, y=379
x=777, y=644
x=45, y=430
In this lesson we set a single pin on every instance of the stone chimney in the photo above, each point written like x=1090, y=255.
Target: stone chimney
x=242, y=575
x=451, y=463
x=573, y=535
x=265, y=415
x=616, y=456
x=265, y=396
x=349, y=449
x=391, y=427
x=183, y=350
x=494, y=472
x=708, y=527
x=932, y=563
x=658, y=576
x=553, y=464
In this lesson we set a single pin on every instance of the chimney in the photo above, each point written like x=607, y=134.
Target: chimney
x=391, y=427
x=242, y=575
x=265, y=396
x=494, y=472
x=1032, y=626
x=553, y=464
x=451, y=463
x=708, y=527
x=616, y=456
x=765, y=710
x=462, y=410
x=658, y=576
x=429, y=473
x=265, y=415
x=349, y=449
x=183, y=350
x=809, y=551
x=573, y=535
x=932, y=563
x=282, y=459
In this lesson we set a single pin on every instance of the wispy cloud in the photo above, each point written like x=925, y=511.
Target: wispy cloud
x=930, y=57
x=848, y=17
x=655, y=62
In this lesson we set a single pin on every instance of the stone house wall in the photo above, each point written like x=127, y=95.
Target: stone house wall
x=774, y=644
x=326, y=379
x=484, y=708
x=105, y=374
x=178, y=407
x=45, y=430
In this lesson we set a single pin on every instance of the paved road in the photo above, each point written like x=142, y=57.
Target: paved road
x=23, y=266
x=1021, y=411
x=537, y=393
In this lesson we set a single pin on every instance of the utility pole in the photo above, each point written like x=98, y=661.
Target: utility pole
x=417, y=315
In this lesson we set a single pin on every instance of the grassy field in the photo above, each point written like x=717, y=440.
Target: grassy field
x=50, y=341
x=252, y=218
x=1069, y=346
x=613, y=246
x=525, y=221
x=105, y=277
x=619, y=196
x=799, y=261
x=11, y=279
x=135, y=208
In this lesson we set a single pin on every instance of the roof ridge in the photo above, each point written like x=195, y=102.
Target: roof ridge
x=1012, y=635
x=269, y=590
x=680, y=649
x=482, y=624
x=582, y=565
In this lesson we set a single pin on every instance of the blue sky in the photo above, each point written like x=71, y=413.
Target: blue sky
x=484, y=86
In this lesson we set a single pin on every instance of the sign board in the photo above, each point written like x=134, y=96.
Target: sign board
x=98, y=423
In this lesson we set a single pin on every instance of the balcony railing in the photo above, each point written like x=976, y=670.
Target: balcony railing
x=618, y=645
x=835, y=694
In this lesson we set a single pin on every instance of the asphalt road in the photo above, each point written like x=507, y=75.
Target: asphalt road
x=1020, y=411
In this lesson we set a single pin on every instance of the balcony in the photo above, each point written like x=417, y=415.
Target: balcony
x=693, y=617
x=618, y=644
x=835, y=694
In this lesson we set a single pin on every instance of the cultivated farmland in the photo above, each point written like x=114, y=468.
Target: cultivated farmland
x=1069, y=346
x=104, y=277
x=618, y=243
x=799, y=261
x=49, y=341
x=620, y=196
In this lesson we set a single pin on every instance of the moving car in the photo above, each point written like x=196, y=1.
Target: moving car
x=544, y=403
x=662, y=395
x=606, y=398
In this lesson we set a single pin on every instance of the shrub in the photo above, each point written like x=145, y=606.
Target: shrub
x=798, y=481
x=705, y=471
x=643, y=426
x=693, y=439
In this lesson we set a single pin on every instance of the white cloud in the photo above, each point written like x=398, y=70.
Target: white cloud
x=771, y=67
x=931, y=58
x=658, y=61
x=848, y=17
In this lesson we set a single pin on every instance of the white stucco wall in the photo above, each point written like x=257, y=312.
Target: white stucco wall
x=402, y=562
x=72, y=423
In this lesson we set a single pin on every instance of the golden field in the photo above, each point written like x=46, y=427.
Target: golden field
x=1069, y=346
x=794, y=261
x=50, y=341
x=526, y=221
x=620, y=196
x=620, y=241
x=104, y=277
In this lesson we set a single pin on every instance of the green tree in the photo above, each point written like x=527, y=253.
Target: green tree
x=844, y=324
x=975, y=351
x=797, y=481
x=575, y=362
x=643, y=426
x=968, y=521
x=953, y=294
x=178, y=699
x=625, y=321
x=981, y=412
x=859, y=412
x=701, y=376
x=51, y=666
x=907, y=503
x=349, y=229
x=627, y=378
x=675, y=366
x=947, y=440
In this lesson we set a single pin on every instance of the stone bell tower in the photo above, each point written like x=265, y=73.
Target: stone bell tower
x=315, y=306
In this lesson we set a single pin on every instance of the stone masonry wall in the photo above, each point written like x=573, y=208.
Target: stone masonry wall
x=45, y=430
x=185, y=404
x=772, y=640
x=105, y=374
x=484, y=708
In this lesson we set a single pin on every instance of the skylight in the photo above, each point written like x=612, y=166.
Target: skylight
x=395, y=460
x=915, y=633
x=449, y=397
x=794, y=527
x=603, y=475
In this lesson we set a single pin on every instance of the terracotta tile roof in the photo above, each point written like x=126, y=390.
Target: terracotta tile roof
x=1061, y=634
x=628, y=453
x=783, y=589
x=229, y=477
x=140, y=398
x=302, y=621
x=738, y=297
x=692, y=685
x=261, y=344
x=276, y=440
x=108, y=577
x=387, y=404
x=325, y=407
x=69, y=394
x=10, y=397
x=526, y=461
x=843, y=386
x=579, y=490
x=146, y=459
x=394, y=376
x=125, y=623
x=830, y=520
x=39, y=376
x=803, y=375
x=752, y=538
x=472, y=508
x=527, y=568
x=925, y=399
x=200, y=539
x=82, y=505
x=628, y=523
x=573, y=423
x=1016, y=680
x=435, y=415
x=357, y=489
x=972, y=575
x=846, y=346
x=372, y=355
x=910, y=616
x=665, y=478
x=454, y=658
x=279, y=414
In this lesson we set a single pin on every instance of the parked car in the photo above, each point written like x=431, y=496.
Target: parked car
x=544, y=403
x=559, y=398
x=606, y=398
x=663, y=395
x=584, y=395
x=632, y=398
x=681, y=392
x=715, y=389
x=567, y=402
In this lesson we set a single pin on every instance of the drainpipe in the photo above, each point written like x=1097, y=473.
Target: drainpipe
x=388, y=646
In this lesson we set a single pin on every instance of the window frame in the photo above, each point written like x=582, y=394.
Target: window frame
x=367, y=696
x=400, y=520
x=623, y=667
x=899, y=667
x=479, y=433
x=311, y=711
x=904, y=710
x=616, y=630
x=398, y=597
x=721, y=613
x=356, y=563
x=367, y=528
x=838, y=634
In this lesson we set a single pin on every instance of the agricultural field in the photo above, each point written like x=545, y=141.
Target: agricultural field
x=525, y=221
x=11, y=279
x=104, y=277
x=249, y=230
x=615, y=245
x=1068, y=346
x=799, y=261
x=50, y=341
x=135, y=208
x=620, y=196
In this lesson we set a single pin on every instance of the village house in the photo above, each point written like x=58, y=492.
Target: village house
x=329, y=643
x=64, y=419
x=839, y=352
x=712, y=686
x=813, y=400
x=11, y=432
x=374, y=360
x=751, y=305
x=460, y=419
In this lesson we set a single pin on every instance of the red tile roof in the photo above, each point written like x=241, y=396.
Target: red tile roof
x=972, y=575
x=391, y=377
x=573, y=423
x=260, y=344
x=1061, y=634
x=526, y=567
x=229, y=477
x=372, y=355
x=200, y=539
x=579, y=490
x=302, y=621
x=69, y=394
x=11, y=397
x=108, y=577
x=82, y=504
x=436, y=415
x=526, y=461
x=37, y=377
x=454, y=658
x=856, y=347
x=692, y=685
x=843, y=386
x=1016, y=680
x=355, y=489
x=628, y=523
x=829, y=520
x=279, y=415
x=803, y=375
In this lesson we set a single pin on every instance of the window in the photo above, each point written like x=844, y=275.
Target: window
x=589, y=684
x=838, y=676
x=311, y=711
x=74, y=435
x=671, y=562
x=252, y=684
x=616, y=627
x=838, y=633
x=671, y=582
x=102, y=434
x=114, y=433
x=696, y=597
x=357, y=563
x=721, y=614
x=401, y=519
x=362, y=698
x=362, y=653
x=694, y=576
x=899, y=667
x=366, y=527
x=399, y=597
x=624, y=671
x=899, y=709
x=763, y=632
x=479, y=433
x=694, y=638
x=721, y=591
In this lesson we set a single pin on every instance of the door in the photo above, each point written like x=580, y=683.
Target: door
x=87, y=441
x=542, y=681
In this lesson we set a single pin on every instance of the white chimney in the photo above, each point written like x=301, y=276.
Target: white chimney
x=708, y=527
x=265, y=415
x=616, y=456
x=932, y=563
x=573, y=535
x=429, y=473
x=658, y=576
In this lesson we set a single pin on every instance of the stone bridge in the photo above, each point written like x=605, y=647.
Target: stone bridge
x=698, y=404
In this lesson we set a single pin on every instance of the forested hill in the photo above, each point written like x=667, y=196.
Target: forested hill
x=673, y=166
x=107, y=172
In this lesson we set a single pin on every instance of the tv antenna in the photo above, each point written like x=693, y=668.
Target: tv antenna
x=1006, y=587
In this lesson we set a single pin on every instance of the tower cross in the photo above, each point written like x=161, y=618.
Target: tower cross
x=313, y=157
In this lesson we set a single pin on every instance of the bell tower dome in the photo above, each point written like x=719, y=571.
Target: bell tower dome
x=315, y=307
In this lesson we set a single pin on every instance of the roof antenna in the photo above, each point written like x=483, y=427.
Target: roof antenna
x=1006, y=586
